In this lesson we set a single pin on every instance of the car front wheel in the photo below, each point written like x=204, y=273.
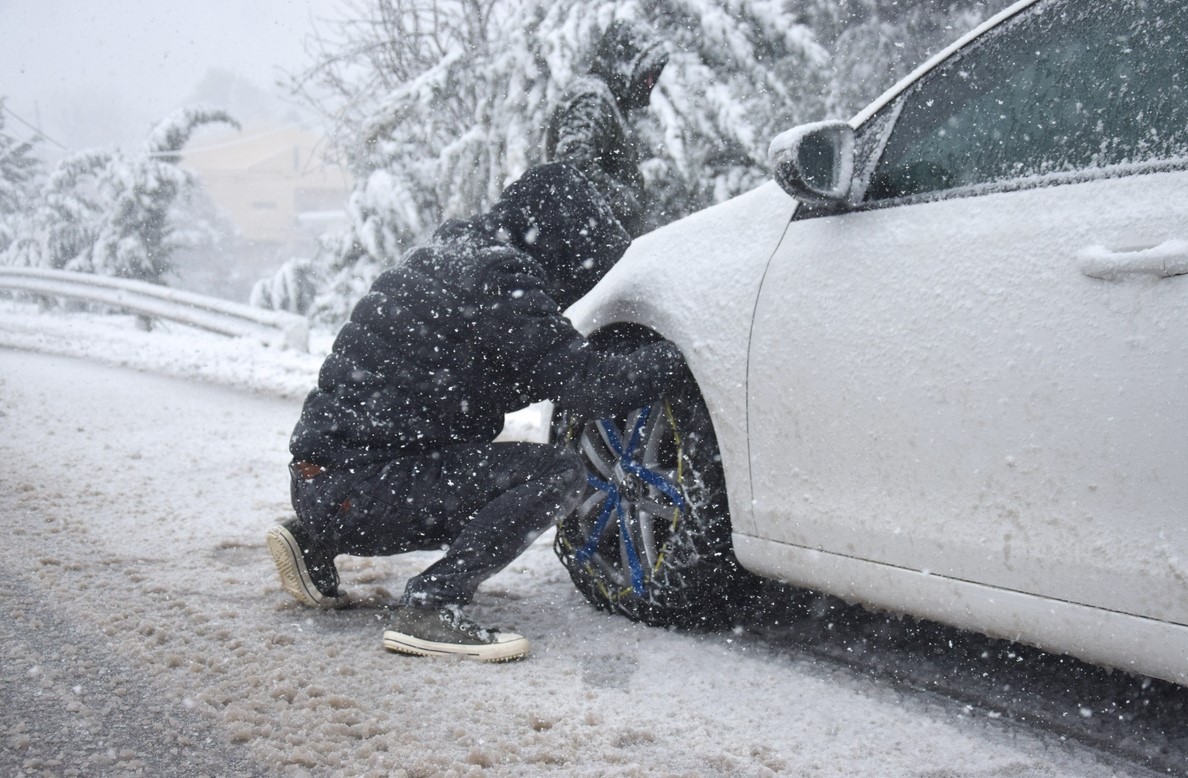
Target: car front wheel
x=651, y=537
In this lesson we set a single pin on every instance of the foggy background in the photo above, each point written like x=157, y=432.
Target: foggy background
x=100, y=73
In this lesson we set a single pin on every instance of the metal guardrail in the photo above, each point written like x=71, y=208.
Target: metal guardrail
x=277, y=328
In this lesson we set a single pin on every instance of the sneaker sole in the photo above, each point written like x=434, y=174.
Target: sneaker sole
x=294, y=576
x=488, y=652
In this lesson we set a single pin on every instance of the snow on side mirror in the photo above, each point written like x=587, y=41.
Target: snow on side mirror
x=814, y=162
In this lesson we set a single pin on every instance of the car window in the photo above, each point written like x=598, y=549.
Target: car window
x=1067, y=86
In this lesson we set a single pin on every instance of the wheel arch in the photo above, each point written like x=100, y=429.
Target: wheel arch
x=735, y=463
x=694, y=283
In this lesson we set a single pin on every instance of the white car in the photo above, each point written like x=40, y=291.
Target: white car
x=940, y=367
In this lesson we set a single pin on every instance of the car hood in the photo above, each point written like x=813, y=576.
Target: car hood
x=715, y=256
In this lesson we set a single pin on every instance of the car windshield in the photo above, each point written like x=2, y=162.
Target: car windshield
x=1070, y=86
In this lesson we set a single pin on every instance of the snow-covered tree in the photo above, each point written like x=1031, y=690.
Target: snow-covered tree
x=117, y=214
x=292, y=288
x=137, y=235
x=441, y=103
x=18, y=172
x=62, y=224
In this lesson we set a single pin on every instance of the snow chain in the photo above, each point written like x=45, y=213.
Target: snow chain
x=573, y=552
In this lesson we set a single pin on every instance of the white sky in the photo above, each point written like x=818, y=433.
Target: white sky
x=97, y=72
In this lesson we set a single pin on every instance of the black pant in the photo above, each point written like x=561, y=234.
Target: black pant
x=487, y=503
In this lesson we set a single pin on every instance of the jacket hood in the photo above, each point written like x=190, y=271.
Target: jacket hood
x=555, y=216
x=630, y=59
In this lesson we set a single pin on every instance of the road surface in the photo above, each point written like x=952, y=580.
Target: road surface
x=144, y=631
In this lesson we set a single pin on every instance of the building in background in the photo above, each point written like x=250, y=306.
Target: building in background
x=280, y=190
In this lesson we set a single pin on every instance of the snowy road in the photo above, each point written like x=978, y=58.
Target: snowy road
x=143, y=629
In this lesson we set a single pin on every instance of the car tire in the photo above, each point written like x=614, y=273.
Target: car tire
x=651, y=537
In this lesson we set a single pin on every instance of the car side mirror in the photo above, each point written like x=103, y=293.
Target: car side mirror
x=815, y=162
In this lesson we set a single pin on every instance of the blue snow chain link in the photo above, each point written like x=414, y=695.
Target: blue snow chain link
x=614, y=502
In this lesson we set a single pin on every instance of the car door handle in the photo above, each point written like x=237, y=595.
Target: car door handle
x=1169, y=258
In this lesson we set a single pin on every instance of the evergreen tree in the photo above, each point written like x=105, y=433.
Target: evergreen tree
x=116, y=214
x=140, y=193
x=18, y=172
x=290, y=289
x=457, y=94
x=61, y=227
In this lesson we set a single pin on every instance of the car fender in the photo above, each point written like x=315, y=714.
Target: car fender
x=694, y=283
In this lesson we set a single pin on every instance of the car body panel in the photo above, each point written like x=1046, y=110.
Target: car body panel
x=954, y=394
x=1140, y=645
x=729, y=243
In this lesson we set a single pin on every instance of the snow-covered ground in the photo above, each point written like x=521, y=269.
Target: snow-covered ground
x=144, y=629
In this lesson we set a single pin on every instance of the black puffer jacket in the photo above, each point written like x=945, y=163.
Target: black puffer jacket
x=469, y=328
x=587, y=128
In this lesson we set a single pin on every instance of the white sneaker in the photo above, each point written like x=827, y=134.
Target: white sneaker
x=447, y=632
x=306, y=571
